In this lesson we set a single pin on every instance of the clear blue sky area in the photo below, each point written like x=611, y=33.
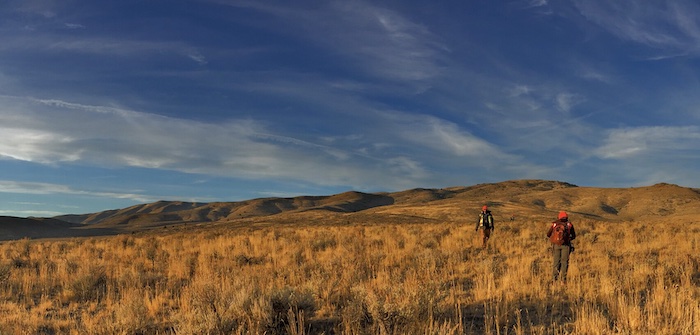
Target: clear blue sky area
x=107, y=104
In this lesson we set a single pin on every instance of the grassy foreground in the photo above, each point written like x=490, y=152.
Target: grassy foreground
x=355, y=279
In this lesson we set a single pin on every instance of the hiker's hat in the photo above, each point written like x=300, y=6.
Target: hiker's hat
x=563, y=215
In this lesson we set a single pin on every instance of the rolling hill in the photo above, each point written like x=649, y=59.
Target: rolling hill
x=532, y=200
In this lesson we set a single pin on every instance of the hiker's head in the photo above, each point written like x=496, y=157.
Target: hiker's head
x=485, y=208
x=563, y=215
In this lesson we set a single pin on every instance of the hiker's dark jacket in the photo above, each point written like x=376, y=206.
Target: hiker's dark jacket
x=485, y=220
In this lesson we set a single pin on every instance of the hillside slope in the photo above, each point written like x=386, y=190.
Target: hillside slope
x=521, y=199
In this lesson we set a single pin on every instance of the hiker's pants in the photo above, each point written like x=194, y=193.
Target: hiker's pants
x=485, y=234
x=561, y=261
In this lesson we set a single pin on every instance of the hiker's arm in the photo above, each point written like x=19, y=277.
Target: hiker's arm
x=572, y=233
x=549, y=231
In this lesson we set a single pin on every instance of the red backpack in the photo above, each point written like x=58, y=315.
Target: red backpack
x=560, y=232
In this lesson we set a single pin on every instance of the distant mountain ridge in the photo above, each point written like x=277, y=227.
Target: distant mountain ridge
x=531, y=199
x=536, y=195
x=177, y=211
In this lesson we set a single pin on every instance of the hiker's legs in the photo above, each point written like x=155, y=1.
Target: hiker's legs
x=485, y=234
x=556, y=260
x=564, y=261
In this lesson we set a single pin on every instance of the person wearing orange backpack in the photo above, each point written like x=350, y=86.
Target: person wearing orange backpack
x=561, y=233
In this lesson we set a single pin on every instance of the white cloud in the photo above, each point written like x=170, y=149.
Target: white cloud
x=519, y=90
x=447, y=137
x=443, y=137
x=595, y=75
x=392, y=150
x=17, y=187
x=197, y=57
x=566, y=101
x=55, y=131
x=634, y=142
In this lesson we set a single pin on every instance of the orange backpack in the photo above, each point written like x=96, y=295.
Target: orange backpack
x=560, y=233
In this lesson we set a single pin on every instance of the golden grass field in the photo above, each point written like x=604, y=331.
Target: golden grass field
x=379, y=278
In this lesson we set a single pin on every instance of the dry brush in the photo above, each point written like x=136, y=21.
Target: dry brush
x=628, y=278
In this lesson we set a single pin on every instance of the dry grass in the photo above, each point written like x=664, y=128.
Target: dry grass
x=355, y=279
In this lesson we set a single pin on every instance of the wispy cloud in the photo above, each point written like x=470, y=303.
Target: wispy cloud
x=17, y=187
x=103, y=46
x=595, y=75
x=669, y=26
x=440, y=135
x=566, y=101
x=74, y=26
x=27, y=213
x=387, y=43
x=117, y=47
x=44, y=8
x=382, y=155
x=346, y=93
x=54, y=131
x=379, y=41
x=634, y=142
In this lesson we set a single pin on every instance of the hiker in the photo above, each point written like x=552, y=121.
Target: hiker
x=486, y=224
x=561, y=232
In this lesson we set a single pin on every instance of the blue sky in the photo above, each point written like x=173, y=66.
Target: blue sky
x=106, y=104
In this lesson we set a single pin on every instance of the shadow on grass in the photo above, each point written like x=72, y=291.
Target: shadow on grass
x=522, y=316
